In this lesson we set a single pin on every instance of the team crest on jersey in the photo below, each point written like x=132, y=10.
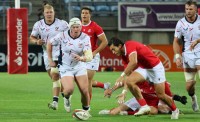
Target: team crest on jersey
x=199, y=27
x=89, y=30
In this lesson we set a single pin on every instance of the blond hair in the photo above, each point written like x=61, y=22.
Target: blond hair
x=47, y=6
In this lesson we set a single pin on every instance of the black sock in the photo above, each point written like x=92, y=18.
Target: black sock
x=86, y=107
x=177, y=97
x=191, y=94
x=55, y=99
x=67, y=97
x=62, y=94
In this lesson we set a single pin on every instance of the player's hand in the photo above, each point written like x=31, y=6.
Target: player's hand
x=40, y=42
x=52, y=63
x=121, y=97
x=193, y=44
x=179, y=62
x=119, y=82
x=76, y=57
x=108, y=93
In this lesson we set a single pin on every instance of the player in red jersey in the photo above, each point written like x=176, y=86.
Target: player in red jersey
x=96, y=33
x=131, y=106
x=150, y=68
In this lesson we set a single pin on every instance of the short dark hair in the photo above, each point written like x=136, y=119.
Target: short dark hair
x=86, y=8
x=115, y=41
x=191, y=2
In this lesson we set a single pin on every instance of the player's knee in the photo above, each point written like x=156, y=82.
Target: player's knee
x=189, y=76
x=54, y=70
x=56, y=84
x=190, y=85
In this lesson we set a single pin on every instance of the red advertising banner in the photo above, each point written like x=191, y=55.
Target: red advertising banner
x=17, y=40
x=110, y=62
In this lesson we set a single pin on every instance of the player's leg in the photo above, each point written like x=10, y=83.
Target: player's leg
x=131, y=82
x=56, y=84
x=191, y=67
x=157, y=76
x=82, y=83
x=99, y=84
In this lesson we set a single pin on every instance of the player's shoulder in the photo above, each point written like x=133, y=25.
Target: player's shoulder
x=40, y=22
x=84, y=35
x=60, y=20
x=93, y=23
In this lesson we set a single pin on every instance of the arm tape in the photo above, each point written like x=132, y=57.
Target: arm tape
x=88, y=55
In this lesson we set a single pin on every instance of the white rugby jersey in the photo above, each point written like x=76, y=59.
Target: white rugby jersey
x=46, y=32
x=71, y=45
x=190, y=33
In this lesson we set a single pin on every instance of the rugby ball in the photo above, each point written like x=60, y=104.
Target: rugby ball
x=81, y=115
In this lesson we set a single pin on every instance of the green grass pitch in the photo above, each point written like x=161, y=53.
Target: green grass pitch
x=24, y=98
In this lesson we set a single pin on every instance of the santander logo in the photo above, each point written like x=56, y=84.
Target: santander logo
x=18, y=60
x=18, y=41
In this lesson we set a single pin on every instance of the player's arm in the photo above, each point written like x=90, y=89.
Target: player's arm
x=108, y=92
x=176, y=47
x=131, y=65
x=102, y=45
x=85, y=58
x=121, y=97
x=35, y=40
x=49, y=52
x=177, y=52
x=194, y=43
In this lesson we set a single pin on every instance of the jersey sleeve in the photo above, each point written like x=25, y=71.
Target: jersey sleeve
x=178, y=30
x=130, y=49
x=98, y=30
x=35, y=30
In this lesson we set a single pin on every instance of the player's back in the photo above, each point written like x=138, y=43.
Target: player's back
x=146, y=58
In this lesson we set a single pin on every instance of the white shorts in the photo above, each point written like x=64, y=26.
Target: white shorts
x=94, y=64
x=132, y=104
x=191, y=59
x=72, y=72
x=154, y=75
x=46, y=61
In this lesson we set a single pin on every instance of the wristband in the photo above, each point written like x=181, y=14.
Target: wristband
x=124, y=91
x=177, y=56
x=123, y=74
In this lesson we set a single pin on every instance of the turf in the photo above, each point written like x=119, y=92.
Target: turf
x=24, y=98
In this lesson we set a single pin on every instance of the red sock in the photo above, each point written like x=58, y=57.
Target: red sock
x=99, y=84
x=142, y=102
x=173, y=106
x=132, y=112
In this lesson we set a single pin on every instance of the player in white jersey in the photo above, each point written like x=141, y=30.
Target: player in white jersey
x=76, y=50
x=188, y=28
x=43, y=31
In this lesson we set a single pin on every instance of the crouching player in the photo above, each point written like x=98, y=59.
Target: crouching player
x=132, y=106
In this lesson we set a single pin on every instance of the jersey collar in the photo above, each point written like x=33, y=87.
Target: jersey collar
x=193, y=21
